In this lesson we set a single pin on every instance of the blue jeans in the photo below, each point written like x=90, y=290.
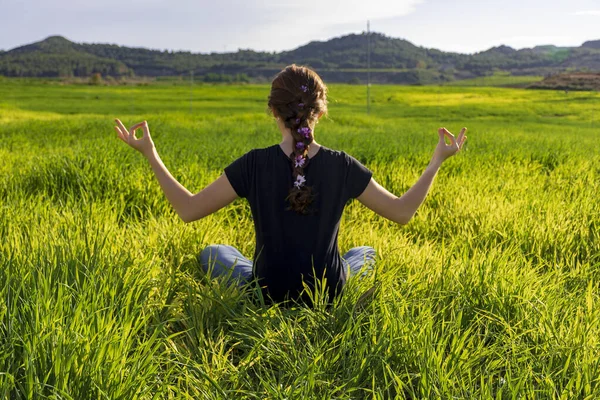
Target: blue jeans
x=222, y=260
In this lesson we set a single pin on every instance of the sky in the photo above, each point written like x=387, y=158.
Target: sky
x=465, y=26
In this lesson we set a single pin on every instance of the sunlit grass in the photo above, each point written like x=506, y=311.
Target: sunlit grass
x=498, y=80
x=490, y=292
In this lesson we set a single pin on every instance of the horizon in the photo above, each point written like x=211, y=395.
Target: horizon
x=284, y=50
x=462, y=26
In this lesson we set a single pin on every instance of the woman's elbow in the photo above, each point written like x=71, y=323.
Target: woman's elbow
x=402, y=222
x=188, y=218
x=399, y=218
x=187, y=213
x=402, y=219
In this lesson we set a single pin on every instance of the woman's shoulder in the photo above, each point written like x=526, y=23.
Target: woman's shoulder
x=328, y=154
x=338, y=155
x=261, y=151
x=276, y=150
x=332, y=153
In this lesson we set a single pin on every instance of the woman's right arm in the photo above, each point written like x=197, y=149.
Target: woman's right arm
x=402, y=209
x=190, y=207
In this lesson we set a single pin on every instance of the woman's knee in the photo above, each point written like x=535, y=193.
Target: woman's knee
x=366, y=252
x=207, y=254
x=224, y=260
x=370, y=252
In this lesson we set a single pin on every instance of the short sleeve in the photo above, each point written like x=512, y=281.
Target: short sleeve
x=239, y=173
x=357, y=177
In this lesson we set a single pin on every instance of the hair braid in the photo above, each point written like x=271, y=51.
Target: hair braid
x=298, y=96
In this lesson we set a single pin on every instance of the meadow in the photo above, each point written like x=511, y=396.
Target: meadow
x=491, y=291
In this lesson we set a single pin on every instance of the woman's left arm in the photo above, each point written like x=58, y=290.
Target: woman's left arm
x=190, y=207
x=402, y=209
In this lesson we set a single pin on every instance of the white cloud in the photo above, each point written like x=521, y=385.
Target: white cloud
x=588, y=12
x=282, y=11
x=538, y=40
x=289, y=24
x=339, y=11
x=208, y=25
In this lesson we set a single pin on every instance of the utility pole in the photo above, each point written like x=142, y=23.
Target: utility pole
x=368, y=67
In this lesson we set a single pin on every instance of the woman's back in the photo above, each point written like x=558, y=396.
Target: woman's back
x=293, y=247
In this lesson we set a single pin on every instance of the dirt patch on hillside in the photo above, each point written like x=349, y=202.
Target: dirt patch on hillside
x=572, y=81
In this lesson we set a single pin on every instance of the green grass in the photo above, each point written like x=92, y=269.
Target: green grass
x=499, y=80
x=490, y=292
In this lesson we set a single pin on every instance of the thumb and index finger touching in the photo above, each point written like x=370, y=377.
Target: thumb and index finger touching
x=143, y=125
x=443, y=133
x=454, y=141
x=128, y=134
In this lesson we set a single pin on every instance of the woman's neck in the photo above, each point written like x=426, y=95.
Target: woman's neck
x=287, y=146
x=287, y=142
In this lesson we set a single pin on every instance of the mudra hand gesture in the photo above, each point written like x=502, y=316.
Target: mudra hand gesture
x=144, y=144
x=444, y=150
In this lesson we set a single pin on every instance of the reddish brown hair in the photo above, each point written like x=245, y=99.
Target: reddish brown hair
x=298, y=97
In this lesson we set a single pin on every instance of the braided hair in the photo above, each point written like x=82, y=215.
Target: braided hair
x=298, y=97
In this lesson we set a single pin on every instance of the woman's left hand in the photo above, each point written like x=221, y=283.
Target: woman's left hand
x=443, y=150
x=144, y=144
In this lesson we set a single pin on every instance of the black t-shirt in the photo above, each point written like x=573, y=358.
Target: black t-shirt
x=291, y=247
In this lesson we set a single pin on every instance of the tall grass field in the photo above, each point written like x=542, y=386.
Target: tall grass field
x=490, y=292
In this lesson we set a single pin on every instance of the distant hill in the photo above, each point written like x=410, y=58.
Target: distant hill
x=594, y=44
x=341, y=59
x=573, y=81
x=57, y=56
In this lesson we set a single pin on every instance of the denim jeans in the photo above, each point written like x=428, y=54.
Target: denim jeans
x=226, y=261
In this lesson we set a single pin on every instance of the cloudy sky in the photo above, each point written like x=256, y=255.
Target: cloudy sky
x=273, y=25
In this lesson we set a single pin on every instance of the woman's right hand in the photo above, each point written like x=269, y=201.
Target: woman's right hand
x=443, y=150
x=144, y=144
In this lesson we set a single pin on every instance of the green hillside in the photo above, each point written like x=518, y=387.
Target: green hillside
x=341, y=59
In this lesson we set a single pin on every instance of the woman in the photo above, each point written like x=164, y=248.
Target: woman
x=297, y=191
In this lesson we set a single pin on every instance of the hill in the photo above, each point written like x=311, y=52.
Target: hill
x=573, y=81
x=57, y=56
x=340, y=59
